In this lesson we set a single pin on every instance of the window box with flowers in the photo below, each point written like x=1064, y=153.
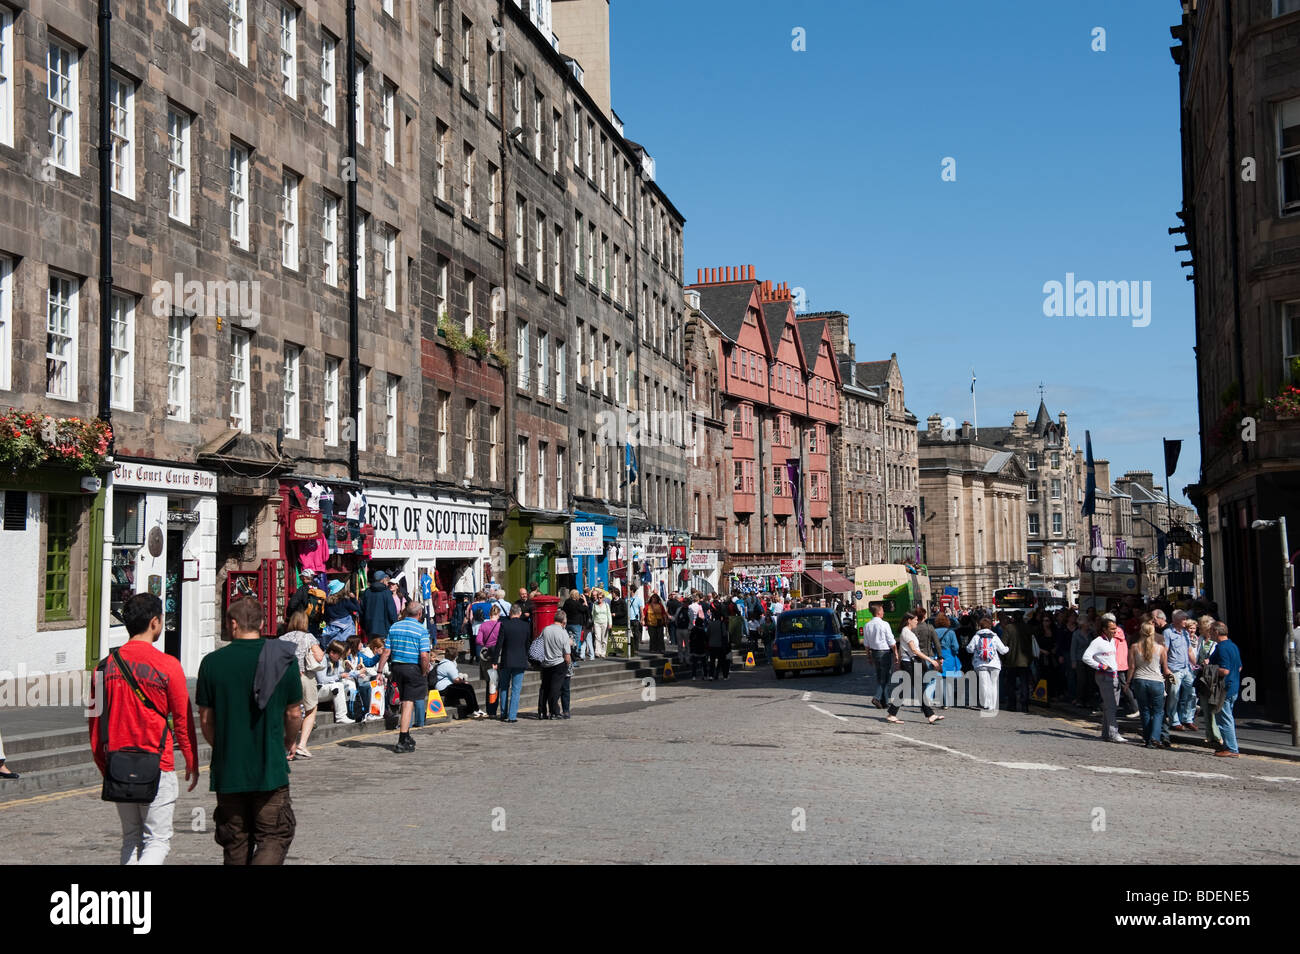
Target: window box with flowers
x=30, y=440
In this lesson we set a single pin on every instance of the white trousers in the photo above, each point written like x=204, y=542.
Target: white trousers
x=147, y=829
x=336, y=692
x=988, y=679
x=599, y=634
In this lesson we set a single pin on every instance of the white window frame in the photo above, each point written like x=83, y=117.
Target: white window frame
x=1290, y=341
x=363, y=400
x=237, y=194
x=494, y=440
x=557, y=132
x=471, y=439
x=178, y=164
x=440, y=32
x=1289, y=156
x=388, y=119
x=331, y=400
x=240, y=386
x=471, y=293
x=557, y=265
x=441, y=134
x=539, y=110
x=237, y=29
x=539, y=243
x=389, y=273
x=122, y=344
x=359, y=82
x=61, y=93
x=289, y=50
x=468, y=159
x=330, y=239
x=289, y=219
x=291, y=386
x=521, y=231
x=521, y=470
x=542, y=448
x=328, y=70
x=524, y=368
x=61, y=333
x=561, y=372
x=1057, y=522
x=494, y=199
x=6, y=76
x=560, y=503
x=391, y=389
x=363, y=220
x=122, y=134
x=543, y=364
x=6, y=322
x=442, y=289
x=180, y=9
x=178, y=367
x=466, y=62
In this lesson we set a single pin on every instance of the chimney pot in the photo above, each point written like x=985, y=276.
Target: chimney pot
x=699, y=275
x=751, y=273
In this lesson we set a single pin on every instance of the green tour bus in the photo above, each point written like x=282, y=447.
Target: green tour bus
x=898, y=586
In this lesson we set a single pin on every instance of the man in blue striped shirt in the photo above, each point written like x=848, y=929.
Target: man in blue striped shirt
x=409, y=655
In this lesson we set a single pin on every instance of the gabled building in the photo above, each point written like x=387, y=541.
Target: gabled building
x=781, y=408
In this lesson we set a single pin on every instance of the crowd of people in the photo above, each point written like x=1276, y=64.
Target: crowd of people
x=379, y=657
x=1145, y=662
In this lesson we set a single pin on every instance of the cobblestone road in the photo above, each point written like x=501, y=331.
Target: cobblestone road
x=750, y=769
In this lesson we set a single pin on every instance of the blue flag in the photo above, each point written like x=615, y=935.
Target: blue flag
x=629, y=458
x=1090, y=492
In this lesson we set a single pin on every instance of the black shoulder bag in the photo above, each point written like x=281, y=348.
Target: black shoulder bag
x=131, y=774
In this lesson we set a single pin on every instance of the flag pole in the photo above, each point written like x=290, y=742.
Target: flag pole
x=974, y=410
x=627, y=555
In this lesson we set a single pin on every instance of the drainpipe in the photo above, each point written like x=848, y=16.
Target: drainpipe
x=1233, y=227
x=97, y=604
x=350, y=176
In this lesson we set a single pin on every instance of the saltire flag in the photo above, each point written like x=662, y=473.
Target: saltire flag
x=629, y=460
x=793, y=474
x=1090, y=493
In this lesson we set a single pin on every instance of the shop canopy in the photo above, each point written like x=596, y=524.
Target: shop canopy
x=829, y=580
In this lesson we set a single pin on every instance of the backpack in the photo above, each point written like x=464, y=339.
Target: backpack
x=683, y=619
x=986, y=650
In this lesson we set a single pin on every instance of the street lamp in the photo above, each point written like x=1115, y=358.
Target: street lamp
x=1289, y=640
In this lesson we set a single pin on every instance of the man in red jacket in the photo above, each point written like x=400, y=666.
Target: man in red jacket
x=146, y=829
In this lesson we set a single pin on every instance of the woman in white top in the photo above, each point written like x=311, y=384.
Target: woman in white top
x=986, y=649
x=1147, y=671
x=1100, y=655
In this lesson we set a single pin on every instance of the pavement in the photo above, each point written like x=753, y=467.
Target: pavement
x=804, y=770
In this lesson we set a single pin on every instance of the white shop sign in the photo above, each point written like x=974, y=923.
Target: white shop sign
x=174, y=480
x=703, y=559
x=586, y=539
x=438, y=528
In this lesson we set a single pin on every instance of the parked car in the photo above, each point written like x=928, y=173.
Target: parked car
x=810, y=639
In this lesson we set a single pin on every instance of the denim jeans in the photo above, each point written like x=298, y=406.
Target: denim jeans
x=1150, y=696
x=512, y=683
x=147, y=829
x=883, y=661
x=1227, y=724
x=1178, y=700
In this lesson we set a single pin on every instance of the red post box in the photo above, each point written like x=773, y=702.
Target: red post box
x=544, y=608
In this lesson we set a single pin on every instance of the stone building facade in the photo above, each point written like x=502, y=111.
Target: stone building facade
x=857, y=454
x=973, y=524
x=899, y=494
x=1239, y=90
x=708, y=500
x=500, y=209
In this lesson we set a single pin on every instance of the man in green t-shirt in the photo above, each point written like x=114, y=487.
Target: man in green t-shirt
x=250, y=710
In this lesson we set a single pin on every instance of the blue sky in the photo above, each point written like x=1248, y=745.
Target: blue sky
x=822, y=168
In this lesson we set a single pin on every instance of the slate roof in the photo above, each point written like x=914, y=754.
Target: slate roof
x=1043, y=420
x=997, y=462
x=873, y=373
x=726, y=304
x=810, y=334
x=774, y=313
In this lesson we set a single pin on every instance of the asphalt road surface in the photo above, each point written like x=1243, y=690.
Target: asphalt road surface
x=744, y=770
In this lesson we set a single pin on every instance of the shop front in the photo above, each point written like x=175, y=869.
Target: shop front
x=590, y=537
x=533, y=540
x=758, y=578
x=164, y=542
x=430, y=542
x=702, y=565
